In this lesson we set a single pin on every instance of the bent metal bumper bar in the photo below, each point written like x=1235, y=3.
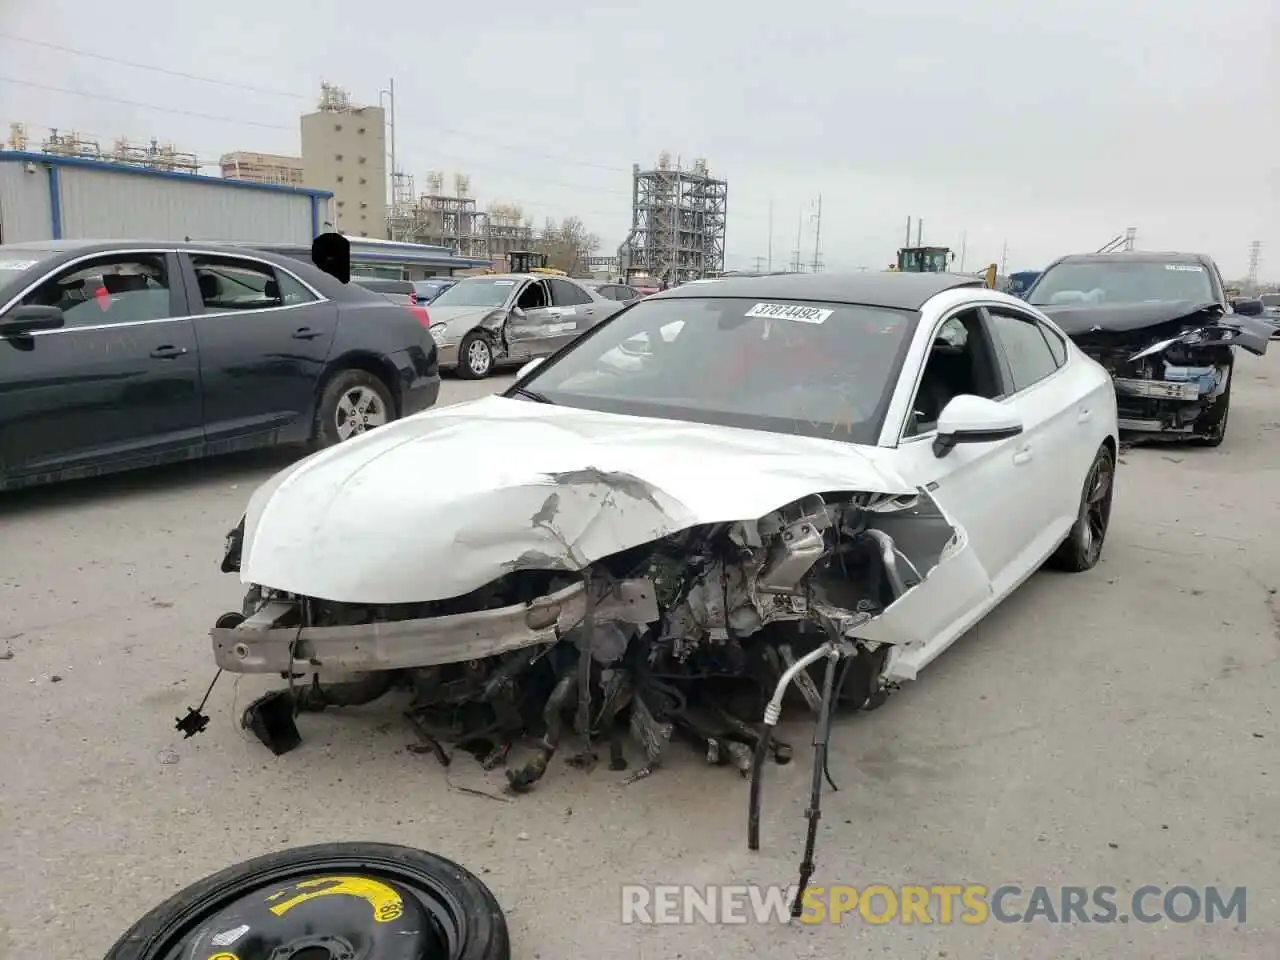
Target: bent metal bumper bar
x=261, y=645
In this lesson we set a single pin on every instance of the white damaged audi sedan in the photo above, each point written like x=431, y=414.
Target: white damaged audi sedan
x=715, y=482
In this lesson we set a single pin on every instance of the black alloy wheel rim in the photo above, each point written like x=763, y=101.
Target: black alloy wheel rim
x=1097, y=504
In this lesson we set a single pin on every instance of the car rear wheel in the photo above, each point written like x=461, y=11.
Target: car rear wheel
x=475, y=356
x=331, y=901
x=1083, y=547
x=352, y=402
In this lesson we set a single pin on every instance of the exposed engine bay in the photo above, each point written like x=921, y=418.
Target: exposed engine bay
x=1171, y=363
x=684, y=637
x=697, y=636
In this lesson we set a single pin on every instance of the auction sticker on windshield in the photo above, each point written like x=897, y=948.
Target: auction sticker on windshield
x=789, y=311
x=1185, y=267
x=17, y=264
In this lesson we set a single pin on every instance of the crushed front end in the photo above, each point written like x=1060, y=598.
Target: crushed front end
x=685, y=637
x=1172, y=378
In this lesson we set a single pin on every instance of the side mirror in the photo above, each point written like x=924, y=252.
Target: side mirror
x=28, y=319
x=529, y=367
x=331, y=252
x=1248, y=307
x=970, y=419
x=517, y=313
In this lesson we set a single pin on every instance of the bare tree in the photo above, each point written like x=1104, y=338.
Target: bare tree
x=567, y=244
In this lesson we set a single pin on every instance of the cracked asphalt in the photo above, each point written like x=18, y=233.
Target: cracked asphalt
x=1116, y=727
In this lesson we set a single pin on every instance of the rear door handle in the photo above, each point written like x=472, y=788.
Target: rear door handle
x=1023, y=455
x=167, y=352
x=305, y=333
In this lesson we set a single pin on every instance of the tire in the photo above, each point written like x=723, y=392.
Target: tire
x=1082, y=549
x=204, y=919
x=475, y=356
x=343, y=391
x=1214, y=421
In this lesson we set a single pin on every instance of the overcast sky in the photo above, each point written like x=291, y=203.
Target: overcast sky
x=1048, y=126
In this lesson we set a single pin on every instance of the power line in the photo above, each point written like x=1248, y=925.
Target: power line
x=144, y=106
x=435, y=127
x=143, y=66
x=455, y=160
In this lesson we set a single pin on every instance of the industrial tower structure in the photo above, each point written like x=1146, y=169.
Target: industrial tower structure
x=1255, y=258
x=678, y=220
x=454, y=220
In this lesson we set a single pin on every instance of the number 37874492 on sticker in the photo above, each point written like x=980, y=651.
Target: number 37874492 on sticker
x=789, y=311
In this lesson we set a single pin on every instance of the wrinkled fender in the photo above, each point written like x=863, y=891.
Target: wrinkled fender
x=494, y=321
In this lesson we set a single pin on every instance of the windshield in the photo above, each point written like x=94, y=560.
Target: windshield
x=16, y=262
x=815, y=369
x=476, y=292
x=1122, y=282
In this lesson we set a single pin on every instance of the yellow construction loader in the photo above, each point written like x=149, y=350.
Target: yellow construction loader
x=936, y=260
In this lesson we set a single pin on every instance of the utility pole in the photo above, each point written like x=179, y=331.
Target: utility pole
x=817, y=236
x=1130, y=237
x=390, y=94
x=1004, y=259
x=964, y=248
x=919, y=232
x=795, y=254
x=759, y=260
x=771, y=235
x=391, y=88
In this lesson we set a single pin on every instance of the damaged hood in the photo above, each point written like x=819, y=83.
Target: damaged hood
x=1076, y=319
x=444, y=502
x=1207, y=324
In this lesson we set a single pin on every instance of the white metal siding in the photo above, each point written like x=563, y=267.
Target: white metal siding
x=105, y=204
x=24, y=204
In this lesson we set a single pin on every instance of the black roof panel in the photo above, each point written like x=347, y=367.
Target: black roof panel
x=901, y=291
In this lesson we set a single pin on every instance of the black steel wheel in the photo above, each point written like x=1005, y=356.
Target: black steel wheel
x=1083, y=547
x=331, y=901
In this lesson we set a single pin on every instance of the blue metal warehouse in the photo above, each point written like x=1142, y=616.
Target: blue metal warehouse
x=49, y=197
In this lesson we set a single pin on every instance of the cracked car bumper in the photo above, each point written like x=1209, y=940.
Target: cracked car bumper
x=262, y=645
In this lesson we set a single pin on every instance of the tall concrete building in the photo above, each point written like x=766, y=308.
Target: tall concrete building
x=262, y=168
x=344, y=150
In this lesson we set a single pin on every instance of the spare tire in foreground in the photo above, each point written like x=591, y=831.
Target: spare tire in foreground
x=331, y=901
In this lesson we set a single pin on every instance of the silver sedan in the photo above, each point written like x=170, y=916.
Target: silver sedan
x=484, y=322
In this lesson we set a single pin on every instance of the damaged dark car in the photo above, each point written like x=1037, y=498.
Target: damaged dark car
x=1161, y=325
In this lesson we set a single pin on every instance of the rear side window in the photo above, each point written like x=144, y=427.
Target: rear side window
x=292, y=291
x=228, y=283
x=1026, y=346
x=566, y=294
x=1056, y=345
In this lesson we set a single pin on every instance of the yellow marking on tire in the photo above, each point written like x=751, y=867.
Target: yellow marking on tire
x=386, y=903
